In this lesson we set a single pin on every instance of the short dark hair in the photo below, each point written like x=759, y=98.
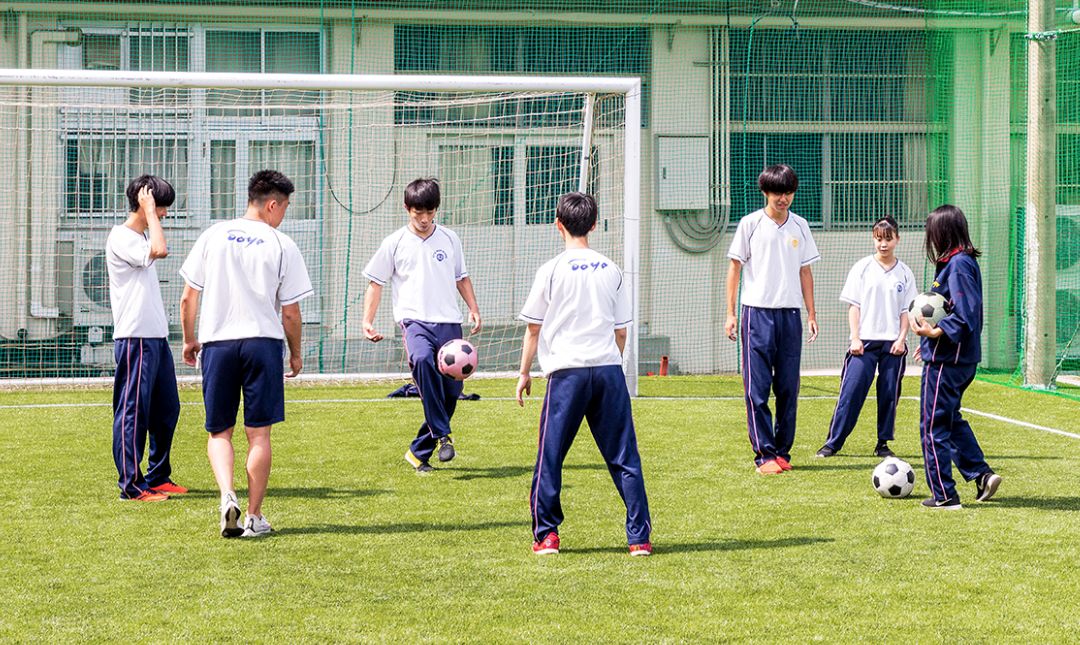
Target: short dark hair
x=780, y=179
x=163, y=192
x=423, y=194
x=269, y=183
x=886, y=228
x=947, y=229
x=577, y=212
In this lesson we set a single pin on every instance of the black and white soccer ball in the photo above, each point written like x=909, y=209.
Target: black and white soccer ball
x=929, y=307
x=457, y=359
x=894, y=478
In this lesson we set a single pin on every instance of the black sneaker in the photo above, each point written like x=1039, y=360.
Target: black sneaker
x=882, y=450
x=446, y=448
x=825, y=451
x=986, y=485
x=951, y=504
x=422, y=467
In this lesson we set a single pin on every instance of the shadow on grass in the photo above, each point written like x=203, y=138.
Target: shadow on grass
x=399, y=527
x=314, y=492
x=1041, y=503
x=663, y=548
x=830, y=465
x=509, y=472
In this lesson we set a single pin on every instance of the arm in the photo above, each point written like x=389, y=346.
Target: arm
x=854, y=316
x=189, y=306
x=899, y=345
x=371, y=304
x=966, y=294
x=620, y=339
x=158, y=248
x=464, y=287
x=733, y=275
x=293, y=324
x=528, y=353
x=806, y=281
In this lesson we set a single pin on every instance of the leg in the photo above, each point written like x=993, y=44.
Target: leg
x=855, y=378
x=786, y=365
x=219, y=450
x=164, y=413
x=889, y=383
x=935, y=425
x=560, y=418
x=611, y=421
x=421, y=345
x=757, y=354
x=258, y=467
x=967, y=453
x=126, y=418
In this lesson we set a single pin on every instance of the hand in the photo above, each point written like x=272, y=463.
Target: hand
x=921, y=328
x=296, y=363
x=474, y=320
x=371, y=334
x=730, y=326
x=524, y=384
x=191, y=350
x=811, y=322
x=899, y=347
x=146, y=201
x=856, y=348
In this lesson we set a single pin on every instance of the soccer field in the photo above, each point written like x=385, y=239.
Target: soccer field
x=366, y=550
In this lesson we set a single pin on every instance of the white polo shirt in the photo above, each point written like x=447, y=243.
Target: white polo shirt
x=246, y=270
x=881, y=295
x=134, y=292
x=579, y=301
x=771, y=256
x=423, y=274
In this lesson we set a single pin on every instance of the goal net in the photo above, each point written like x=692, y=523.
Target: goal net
x=503, y=150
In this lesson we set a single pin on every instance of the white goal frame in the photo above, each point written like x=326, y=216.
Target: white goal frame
x=629, y=87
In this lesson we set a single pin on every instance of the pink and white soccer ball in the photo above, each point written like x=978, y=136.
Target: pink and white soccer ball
x=457, y=359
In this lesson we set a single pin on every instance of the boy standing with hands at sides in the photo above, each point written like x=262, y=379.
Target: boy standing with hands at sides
x=425, y=264
x=878, y=290
x=577, y=313
x=772, y=251
x=251, y=278
x=145, y=399
x=951, y=353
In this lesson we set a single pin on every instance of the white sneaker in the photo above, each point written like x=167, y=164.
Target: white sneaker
x=230, y=516
x=256, y=525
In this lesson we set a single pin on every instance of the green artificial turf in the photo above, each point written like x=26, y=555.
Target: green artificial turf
x=366, y=550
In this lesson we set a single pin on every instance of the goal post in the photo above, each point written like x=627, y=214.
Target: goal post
x=503, y=148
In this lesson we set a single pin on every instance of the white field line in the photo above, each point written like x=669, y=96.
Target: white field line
x=1023, y=424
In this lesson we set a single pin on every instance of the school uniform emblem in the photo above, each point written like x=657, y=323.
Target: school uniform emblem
x=794, y=243
x=439, y=255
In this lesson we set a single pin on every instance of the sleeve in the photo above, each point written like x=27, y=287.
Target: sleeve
x=810, y=253
x=740, y=244
x=966, y=293
x=536, y=305
x=624, y=309
x=193, y=271
x=907, y=296
x=381, y=266
x=295, y=283
x=852, y=291
x=133, y=250
x=460, y=273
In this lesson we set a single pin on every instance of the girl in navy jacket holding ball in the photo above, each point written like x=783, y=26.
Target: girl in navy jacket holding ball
x=951, y=352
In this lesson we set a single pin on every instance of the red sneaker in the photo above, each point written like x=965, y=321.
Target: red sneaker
x=169, y=488
x=770, y=467
x=549, y=545
x=150, y=496
x=641, y=549
x=783, y=463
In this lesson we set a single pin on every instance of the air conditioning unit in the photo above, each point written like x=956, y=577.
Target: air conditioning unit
x=90, y=300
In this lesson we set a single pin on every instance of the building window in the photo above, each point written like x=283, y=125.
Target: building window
x=860, y=116
x=98, y=170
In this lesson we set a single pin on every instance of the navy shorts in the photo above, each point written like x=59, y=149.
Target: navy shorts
x=254, y=366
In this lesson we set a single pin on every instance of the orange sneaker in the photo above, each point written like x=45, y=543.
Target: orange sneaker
x=783, y=463
x=770, y=467
x=149, y=496
x=169, y=488
x=641, y=549
x=548, y=546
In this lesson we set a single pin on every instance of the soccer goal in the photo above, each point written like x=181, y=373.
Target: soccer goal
x=503, y=148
